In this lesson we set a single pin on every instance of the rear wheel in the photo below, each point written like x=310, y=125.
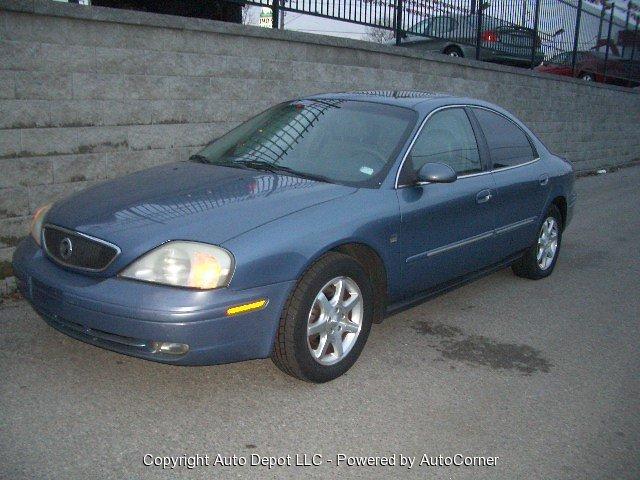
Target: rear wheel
x=326, y=321
x=587, y=77
x=540, y=260
x=453, y=51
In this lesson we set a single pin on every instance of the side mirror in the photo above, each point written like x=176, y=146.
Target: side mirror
x=436, y=173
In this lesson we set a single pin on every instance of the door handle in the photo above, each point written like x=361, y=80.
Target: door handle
x=543, y=179
x=483, y=196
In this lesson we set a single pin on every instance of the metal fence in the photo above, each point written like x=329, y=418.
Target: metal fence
x=590, y=39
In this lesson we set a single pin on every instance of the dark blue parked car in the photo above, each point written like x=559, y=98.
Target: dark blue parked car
x=293, y=233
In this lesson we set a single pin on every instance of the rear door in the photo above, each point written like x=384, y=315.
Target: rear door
x=561, y=64
x=446, y=227
x=521, y=183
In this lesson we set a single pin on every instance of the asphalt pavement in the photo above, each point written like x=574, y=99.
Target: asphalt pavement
x=542, y=375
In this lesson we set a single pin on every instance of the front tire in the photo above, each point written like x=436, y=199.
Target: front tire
x=453, y=51
x=540, y=259
x=326, y=320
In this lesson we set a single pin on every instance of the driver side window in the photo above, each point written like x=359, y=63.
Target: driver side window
x=447, y=138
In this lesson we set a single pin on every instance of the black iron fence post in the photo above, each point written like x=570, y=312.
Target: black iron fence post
x=534, y=47
x=604, y=7
x=606, y=52
x=398, y=22
x=626, y=27
x=575, y=38
x=275, y=13
x=479, y=31
x=633, y=51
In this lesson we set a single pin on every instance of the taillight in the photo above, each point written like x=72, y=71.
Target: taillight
x=490, y=36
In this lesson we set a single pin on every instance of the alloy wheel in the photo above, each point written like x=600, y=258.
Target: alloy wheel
x=335, y=320
x=547, y=243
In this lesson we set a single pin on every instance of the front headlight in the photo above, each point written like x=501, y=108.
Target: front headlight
x=184, y=264
x=37, y=221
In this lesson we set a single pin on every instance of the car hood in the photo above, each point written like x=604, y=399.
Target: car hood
x=186, y=201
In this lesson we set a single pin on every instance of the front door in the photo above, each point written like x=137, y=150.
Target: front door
x=447, y=228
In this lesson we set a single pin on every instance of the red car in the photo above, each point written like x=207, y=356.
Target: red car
x=590, y=67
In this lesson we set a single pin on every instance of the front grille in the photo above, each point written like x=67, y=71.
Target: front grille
x=78, y=250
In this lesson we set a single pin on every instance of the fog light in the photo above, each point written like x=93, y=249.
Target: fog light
x=168, y=347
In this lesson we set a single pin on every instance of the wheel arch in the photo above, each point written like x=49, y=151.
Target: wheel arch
x=451, y=46
x=373, y=264
x=560, y=202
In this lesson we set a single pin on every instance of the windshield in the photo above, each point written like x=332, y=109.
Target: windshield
x=338, y=141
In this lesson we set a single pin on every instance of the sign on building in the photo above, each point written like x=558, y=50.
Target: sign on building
x=265, y=17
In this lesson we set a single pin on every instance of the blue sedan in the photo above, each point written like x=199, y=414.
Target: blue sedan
x=289, y=236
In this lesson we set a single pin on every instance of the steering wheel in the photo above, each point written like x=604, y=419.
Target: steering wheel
x=369, y=156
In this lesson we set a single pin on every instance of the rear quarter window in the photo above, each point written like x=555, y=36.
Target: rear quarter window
x=508, y=144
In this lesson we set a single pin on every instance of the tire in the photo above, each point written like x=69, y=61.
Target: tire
x=453, y=51
x=587, y=77
x=530, y=265
x=294, y=343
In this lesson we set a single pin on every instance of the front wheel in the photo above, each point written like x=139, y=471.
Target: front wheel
x=540, y=260
x=326, y=320
x=453, y=51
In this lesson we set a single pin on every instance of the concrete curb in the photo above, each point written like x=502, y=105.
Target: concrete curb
x=607, y=169
x=8, y=286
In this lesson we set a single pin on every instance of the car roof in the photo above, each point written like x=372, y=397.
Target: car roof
x=422, y=102
x=402, y=98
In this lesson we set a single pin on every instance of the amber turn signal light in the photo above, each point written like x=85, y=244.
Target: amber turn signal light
x=247, y=307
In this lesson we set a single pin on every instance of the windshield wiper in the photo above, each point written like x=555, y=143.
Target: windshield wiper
x=259, y=165
x=202, y=159
x=270, y=167
x=198, y=158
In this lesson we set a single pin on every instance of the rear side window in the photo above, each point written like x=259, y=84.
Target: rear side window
x=440, y=26
x=561, y=59
x=508, y=144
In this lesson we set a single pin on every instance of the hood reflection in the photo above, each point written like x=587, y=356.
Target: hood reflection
x=204, y=199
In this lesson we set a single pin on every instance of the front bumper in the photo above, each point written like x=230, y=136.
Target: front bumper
x=126, y=316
